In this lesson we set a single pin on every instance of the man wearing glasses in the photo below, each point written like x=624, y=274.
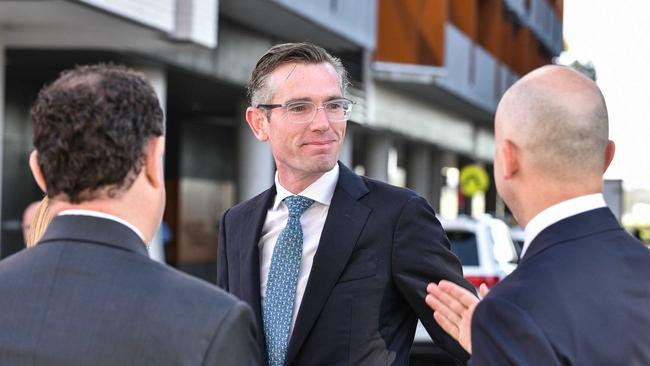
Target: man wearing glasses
x=334, y=265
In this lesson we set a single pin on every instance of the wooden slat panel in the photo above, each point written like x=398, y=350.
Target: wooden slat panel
x=490, y=27
x=411, y=31
x=464, y=15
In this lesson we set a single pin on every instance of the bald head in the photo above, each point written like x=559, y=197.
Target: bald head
x=558, y=118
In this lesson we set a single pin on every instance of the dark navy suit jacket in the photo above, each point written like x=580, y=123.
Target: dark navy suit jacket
x=379, y=248
x=88, y=294
x=580, y=296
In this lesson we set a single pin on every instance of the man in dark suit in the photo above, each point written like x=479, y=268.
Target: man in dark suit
x=87, y=293
x=334, y=265
x=580, y=294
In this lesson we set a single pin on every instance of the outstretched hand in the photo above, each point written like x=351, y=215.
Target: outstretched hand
x=453, y=308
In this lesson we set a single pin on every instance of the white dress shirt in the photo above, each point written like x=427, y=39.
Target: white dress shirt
x=103, y=215
x=560, y=211
x=311, y=221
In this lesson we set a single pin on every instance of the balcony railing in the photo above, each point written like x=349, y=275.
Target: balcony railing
x=182, y=20
x=542, y=20
x=471, y=71
x=355, y=20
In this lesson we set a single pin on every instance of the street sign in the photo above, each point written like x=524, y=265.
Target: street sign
x=473, y=179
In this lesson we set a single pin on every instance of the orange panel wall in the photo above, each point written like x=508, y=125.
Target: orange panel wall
x=508, y=48
x=490, y=26
x=464, y=15
x=559, y=9
x=525, y=51
x=411, y=31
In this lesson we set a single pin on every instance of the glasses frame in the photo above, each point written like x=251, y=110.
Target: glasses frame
x=284, y=106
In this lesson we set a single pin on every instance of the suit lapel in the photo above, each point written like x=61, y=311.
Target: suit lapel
x=334, y=250
x=249, y=265
x=580, y=225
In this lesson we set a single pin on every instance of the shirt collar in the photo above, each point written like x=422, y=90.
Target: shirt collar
x=103, y=215
x=321, y=191
x=560, y=211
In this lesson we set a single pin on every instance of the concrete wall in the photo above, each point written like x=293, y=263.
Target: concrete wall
x=422, y=121
x=160, y=14
x=355, y=20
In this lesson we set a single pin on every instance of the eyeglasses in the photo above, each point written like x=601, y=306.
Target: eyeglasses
x=336, y=110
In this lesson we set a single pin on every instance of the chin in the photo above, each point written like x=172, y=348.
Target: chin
x=323, y=166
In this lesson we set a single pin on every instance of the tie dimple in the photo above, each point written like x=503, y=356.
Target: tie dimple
x=282, y=281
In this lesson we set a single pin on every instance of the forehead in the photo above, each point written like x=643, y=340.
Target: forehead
x=305, y=81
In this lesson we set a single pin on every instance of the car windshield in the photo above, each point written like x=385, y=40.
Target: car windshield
x=463, y=244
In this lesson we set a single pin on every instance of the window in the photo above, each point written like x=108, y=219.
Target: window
x=463, y=244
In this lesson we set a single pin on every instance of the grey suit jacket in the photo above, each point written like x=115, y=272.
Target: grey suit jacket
x=88, y=294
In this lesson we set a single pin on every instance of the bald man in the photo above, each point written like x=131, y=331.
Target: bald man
x=580, y=295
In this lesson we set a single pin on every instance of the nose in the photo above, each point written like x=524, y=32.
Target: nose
x=320, y=121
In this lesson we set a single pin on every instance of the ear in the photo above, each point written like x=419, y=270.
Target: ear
x=153, y=164
x=36, y=171
x=510, y=161
x=609, y=154
x=257, y=121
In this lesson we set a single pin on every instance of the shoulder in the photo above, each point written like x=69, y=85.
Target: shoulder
x=260, y=201
x=386, y=191
x=180, y=290
x=504, y=334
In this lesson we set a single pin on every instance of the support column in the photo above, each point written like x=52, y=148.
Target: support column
x=345, y=155
x=255, y=167
x=377, y=157
x=158, y=79
x=2, y=124
x=436, y=178
x=418, y=174
x=449, y=191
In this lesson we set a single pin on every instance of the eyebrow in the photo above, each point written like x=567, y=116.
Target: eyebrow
x=330, y=98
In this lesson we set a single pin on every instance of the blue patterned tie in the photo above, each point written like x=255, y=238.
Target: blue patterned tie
x=282, y=280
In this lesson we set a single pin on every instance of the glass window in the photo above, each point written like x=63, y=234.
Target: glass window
x=463, y=244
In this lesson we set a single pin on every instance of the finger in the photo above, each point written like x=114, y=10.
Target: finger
x=446, y=325
x=440, y=307
x=431, y=286
x=460, y=294
x=448, y=299
x=483, y=289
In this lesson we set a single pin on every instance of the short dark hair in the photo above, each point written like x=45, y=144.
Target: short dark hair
x=90, y=130
x=280, y=54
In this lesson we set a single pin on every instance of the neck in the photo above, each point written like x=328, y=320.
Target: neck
x=114, y=207
x=540, y=196
x=296, y=184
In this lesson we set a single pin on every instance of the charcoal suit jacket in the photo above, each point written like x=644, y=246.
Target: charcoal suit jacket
x=380, y=247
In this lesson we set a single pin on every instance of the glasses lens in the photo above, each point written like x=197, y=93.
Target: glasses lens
x=304, y=112
x=338, y=110
x=299, y=110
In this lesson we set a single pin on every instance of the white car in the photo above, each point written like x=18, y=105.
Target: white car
x=517, y=234
x=487, y=253
x=484, y=247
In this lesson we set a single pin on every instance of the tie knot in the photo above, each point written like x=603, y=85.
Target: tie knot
x=297, y=204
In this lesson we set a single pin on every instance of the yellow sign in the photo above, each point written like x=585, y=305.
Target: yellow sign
x=473, y=179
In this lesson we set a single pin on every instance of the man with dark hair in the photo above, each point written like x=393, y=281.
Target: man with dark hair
x=87, y=293
x=334, y=265
x=580, y=295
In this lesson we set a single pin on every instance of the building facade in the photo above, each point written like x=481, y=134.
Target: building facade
x=426, y=78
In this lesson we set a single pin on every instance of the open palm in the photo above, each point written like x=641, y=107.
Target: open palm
x=453, y=308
